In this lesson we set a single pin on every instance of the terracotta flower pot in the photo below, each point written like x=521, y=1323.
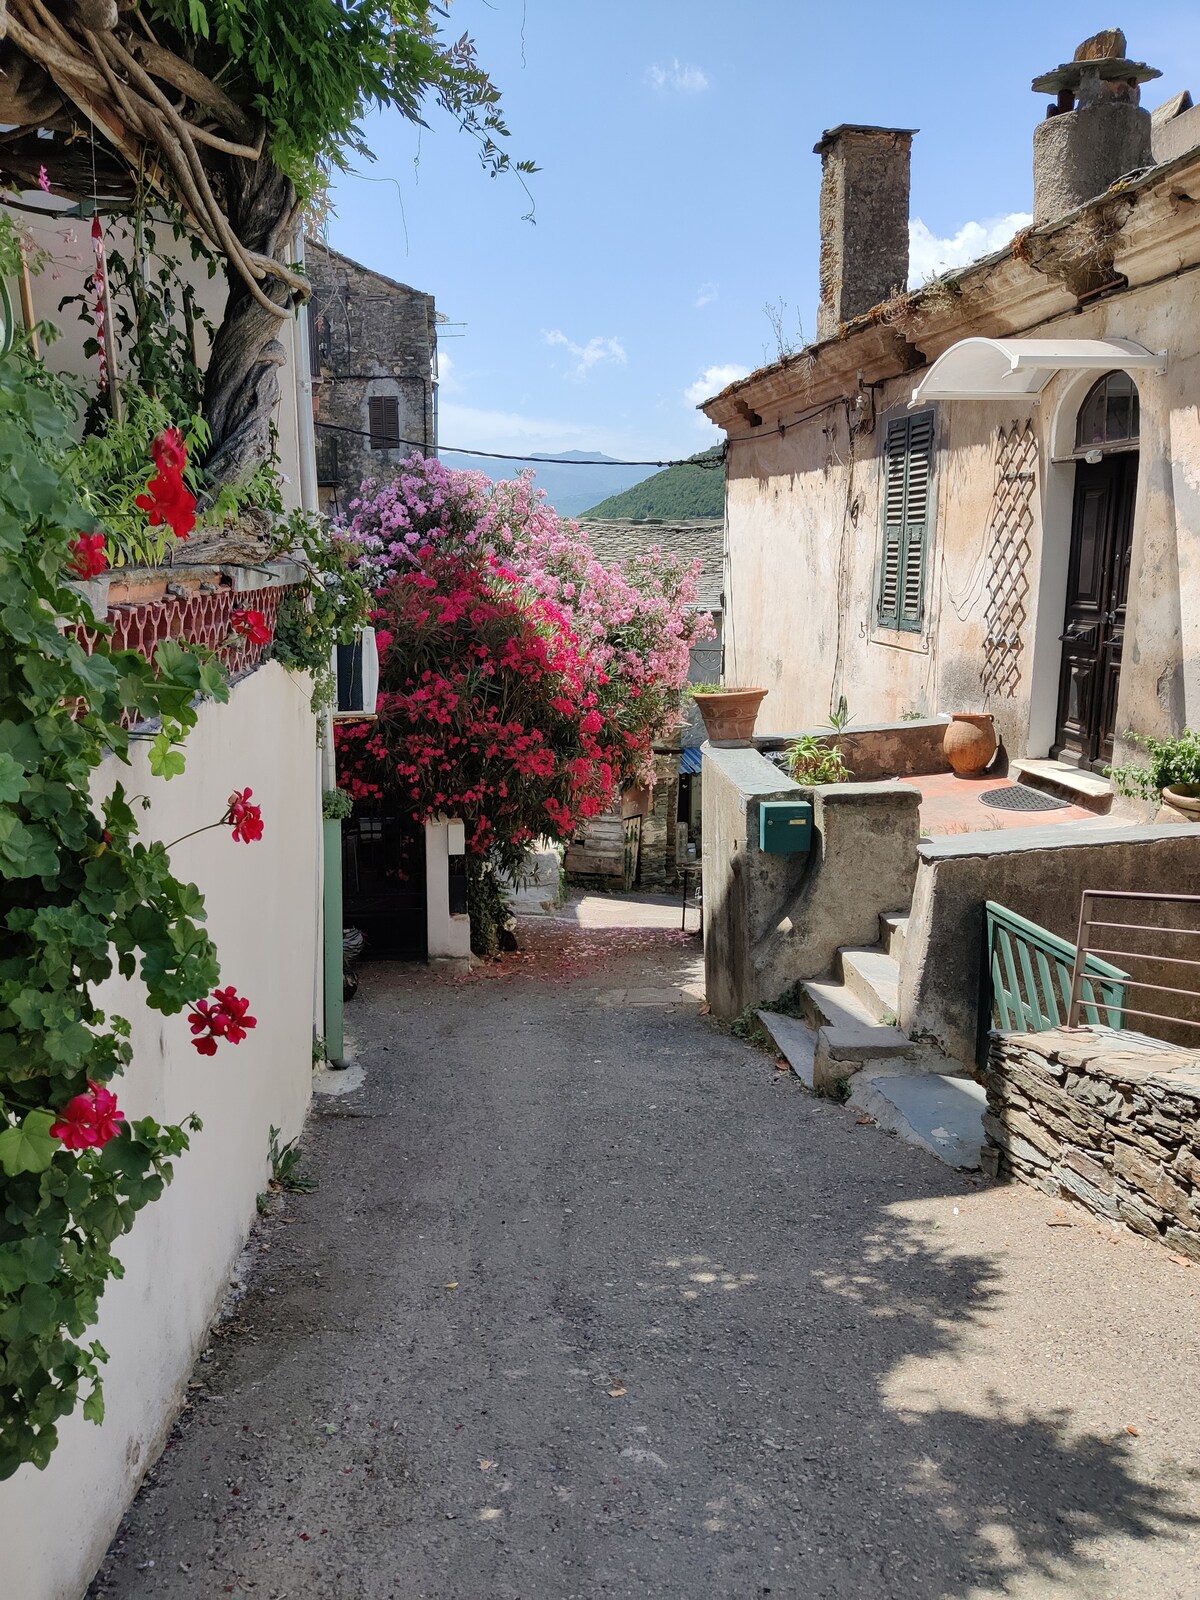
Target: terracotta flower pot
x=970, y=742
x=1184, y=798
x=729, y=716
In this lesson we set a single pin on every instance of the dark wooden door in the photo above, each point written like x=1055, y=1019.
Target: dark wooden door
x=383, y=881
x=1094, y=625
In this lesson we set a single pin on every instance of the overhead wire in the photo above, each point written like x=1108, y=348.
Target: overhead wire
x=395, y=440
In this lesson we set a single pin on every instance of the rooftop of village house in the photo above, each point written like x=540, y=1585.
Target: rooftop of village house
x=1049, y=268
x=619, y=538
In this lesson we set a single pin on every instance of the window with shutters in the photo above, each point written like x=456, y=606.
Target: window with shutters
x=907, y=520
x=384, y=413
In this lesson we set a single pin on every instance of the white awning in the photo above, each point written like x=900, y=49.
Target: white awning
x=993, y=369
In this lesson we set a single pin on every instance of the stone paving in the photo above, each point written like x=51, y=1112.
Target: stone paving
x=593, y=1301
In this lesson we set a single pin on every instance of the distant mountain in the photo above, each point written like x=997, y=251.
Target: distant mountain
x=570, y=490
x=684, y=491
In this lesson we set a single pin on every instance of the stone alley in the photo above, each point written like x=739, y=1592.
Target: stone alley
x=594, y=1300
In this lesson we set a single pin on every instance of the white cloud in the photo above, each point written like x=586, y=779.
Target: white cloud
x=928, y=256
x=712, y=380
x=589, y=355
x=705, y=294
x=448, y=379
x=678, y=76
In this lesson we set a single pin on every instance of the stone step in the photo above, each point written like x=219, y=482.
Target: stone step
x=893, y=931
x=795, y=1040
x=941, y=1113
x=873, y=977
x=847, y=1033
x=1076, y=784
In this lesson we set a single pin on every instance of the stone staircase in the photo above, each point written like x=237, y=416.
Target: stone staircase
x=850, y=1035
x=855, y=1012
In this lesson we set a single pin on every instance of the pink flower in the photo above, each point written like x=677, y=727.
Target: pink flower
x=43, y=180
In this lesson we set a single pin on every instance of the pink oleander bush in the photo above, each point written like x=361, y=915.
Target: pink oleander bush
x=487, y=602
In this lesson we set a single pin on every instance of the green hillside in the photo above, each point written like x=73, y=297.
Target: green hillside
x=684, y=491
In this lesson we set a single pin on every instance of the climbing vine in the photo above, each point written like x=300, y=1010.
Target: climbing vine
x=323, y=611
x=81, y=897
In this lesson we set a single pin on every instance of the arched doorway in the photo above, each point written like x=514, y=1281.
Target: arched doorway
x=1106, y=451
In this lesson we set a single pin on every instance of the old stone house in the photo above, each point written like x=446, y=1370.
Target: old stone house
x=985, y=494
x=374, y=365
x=659, y=822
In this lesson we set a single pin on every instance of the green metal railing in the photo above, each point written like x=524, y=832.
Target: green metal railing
x=1027, y=975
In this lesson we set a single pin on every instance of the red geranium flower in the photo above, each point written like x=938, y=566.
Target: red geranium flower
x=222, y=1017
x=245, y=816
x=252, y=625
x=90, y=1120
x=167, y=498
x=170, y=451
x=89, y=559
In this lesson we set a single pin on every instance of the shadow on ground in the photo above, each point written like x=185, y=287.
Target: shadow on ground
x=592, y=1301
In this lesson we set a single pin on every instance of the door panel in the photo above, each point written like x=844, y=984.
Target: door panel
x=1094, y=622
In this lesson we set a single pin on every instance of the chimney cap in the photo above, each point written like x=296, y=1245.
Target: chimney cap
x=832, y=135
x=1109, y=69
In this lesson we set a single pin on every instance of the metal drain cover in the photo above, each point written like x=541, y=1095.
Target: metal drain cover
x=1022, y=798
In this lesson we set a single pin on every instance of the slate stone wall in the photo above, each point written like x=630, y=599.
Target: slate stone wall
x=1109, y=1119
x=657, y=867
x=371, y=336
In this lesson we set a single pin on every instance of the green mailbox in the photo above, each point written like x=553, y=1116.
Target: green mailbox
x=785, y=827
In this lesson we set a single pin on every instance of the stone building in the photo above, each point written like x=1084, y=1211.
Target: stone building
x=668, y=814
x=374, y=363
x=984, y=495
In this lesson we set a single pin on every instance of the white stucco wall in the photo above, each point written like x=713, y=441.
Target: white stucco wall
x=448, y=935
x=263, y=914
x=68, y=247
x=803, y=545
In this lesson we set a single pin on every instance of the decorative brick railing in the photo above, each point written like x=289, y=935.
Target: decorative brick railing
x=199, y=618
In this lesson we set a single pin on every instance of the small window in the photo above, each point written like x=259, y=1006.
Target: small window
x=1110, y=415
x=907, y=516
x=384, y=412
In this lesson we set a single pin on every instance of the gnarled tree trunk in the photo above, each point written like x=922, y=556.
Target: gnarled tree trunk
x=241, y=389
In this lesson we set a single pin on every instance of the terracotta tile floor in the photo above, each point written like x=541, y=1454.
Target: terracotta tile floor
x=951, y=805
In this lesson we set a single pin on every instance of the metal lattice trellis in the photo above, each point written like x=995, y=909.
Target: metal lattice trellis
x=1009, y=552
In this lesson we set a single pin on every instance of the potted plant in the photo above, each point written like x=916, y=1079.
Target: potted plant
x=811, y=761
x=1172, y=774
x=729, y=714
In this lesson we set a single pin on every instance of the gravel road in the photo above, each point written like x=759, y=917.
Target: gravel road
x=593, y=1301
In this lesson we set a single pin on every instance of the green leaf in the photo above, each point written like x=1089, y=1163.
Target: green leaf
x=166, y=762
x=31, y=1314
x=93, y=1406
x=29, y=1147
x=12, y=778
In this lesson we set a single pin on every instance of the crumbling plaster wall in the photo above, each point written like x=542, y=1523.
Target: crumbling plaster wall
x=804, y=527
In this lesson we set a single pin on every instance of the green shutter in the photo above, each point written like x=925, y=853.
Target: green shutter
x=908, y=473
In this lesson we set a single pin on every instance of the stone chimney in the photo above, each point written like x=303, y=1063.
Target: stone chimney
x=864, y=220
x=1096, y=131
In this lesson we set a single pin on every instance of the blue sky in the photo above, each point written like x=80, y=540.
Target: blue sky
x=678, y=191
